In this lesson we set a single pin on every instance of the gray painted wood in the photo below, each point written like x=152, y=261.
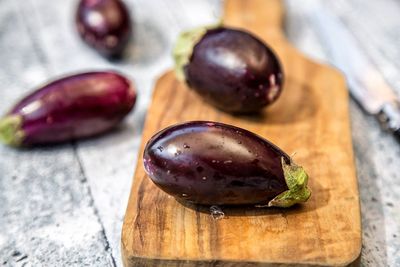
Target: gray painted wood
x=376, y=25
x=64, y=205
x=43, y=193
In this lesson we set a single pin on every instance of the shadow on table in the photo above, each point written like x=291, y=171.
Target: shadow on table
x=319, y=198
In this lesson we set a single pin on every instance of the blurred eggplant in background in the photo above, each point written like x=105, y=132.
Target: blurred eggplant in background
x=69, y=108
x=105, y=25
x=230, y=68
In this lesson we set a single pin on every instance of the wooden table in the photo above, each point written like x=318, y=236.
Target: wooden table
x=64, y=205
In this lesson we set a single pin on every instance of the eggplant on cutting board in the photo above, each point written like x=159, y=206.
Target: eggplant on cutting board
x=310, y=119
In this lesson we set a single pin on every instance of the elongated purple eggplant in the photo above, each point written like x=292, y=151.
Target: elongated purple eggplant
x=70, y=108
x=230, y=68
x=105, y=25
x=212, y=163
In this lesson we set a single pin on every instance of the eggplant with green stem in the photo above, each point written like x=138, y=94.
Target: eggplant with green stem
x=70, y=108
x=212, y=163
x=231, y=68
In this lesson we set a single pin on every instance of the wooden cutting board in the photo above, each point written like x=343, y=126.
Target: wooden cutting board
x=311, y=119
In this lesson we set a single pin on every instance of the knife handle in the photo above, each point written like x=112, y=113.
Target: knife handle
x=397, y=134
x=389, y=116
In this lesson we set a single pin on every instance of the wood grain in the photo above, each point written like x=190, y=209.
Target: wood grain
x=311, y=118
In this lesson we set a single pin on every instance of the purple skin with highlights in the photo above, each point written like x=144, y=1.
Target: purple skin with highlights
x=70, y=108
x=212, y=163
x=234, y=71
x=105, y=25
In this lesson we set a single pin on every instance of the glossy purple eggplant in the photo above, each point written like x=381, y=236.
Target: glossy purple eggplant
x=212, y=163
x=105, y=25
x=70, y=108
x=230, y=68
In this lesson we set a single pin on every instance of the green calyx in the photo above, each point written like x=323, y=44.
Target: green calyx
x=184, y=47
x=10, y=130
x=296, y=180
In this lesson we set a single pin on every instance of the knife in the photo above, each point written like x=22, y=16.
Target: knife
x=366, y=84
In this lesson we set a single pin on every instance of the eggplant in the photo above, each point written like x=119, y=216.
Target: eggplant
x=104, y=25
x=212, y=163
x=230, y=68
x=70, y=108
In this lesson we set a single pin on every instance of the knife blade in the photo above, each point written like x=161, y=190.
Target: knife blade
x=366, y=84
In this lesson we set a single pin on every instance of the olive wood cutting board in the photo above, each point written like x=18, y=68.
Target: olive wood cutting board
x=311, y=119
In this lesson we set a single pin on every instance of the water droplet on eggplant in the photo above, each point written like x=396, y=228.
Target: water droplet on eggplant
x=216, y=213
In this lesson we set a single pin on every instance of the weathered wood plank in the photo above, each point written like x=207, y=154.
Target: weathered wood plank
x=376, y=25
x=46, y=211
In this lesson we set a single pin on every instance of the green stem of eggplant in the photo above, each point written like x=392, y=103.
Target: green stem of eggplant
x=10, y=130
x=184, y=47
x=296, y=181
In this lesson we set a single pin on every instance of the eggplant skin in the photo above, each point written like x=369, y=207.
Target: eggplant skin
x=104, y=25
x=73, y=107
x=234, y=71
x=213, y=163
